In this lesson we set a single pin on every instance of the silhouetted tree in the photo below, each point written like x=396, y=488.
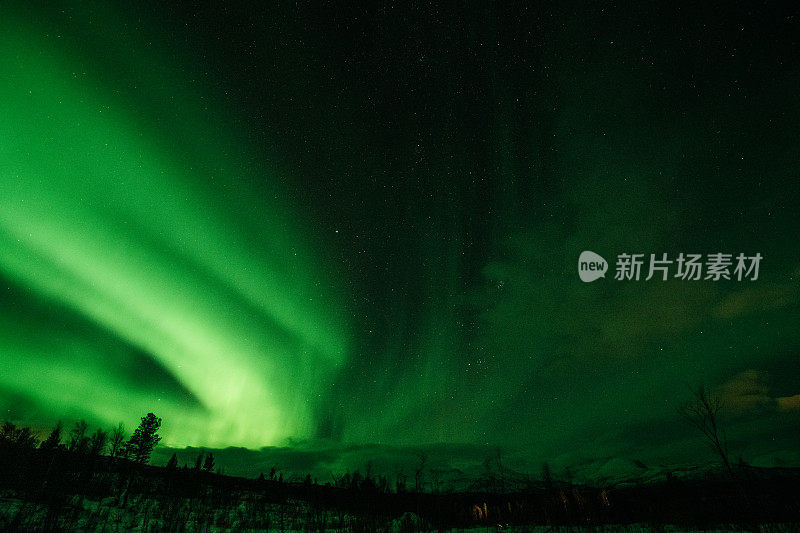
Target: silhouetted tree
x=172, y=464
x=7, y=431
x=419, y=474
x=144, y=439
x=22, y=437
x=400, y=482
x=117, y=442
x=198, y=463
x=78, y=441
x=97, y=442
x=208, y=464
x=53, y=440
x=703, y=413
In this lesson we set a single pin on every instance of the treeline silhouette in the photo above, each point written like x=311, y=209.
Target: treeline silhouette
x=101, y=481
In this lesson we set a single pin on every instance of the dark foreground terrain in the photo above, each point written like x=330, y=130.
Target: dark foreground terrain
x=58, y=489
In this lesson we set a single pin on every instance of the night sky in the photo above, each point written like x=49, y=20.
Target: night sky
x=349, y=227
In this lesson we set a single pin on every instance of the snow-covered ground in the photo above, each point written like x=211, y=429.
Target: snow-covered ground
x=150, y=515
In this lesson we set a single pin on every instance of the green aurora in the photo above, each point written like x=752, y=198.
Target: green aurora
x=306, y=225
x=107, y=217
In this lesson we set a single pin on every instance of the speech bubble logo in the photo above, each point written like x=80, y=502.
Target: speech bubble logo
x=591, y=266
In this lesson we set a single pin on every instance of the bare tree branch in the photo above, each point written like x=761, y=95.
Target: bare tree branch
x=703, y=413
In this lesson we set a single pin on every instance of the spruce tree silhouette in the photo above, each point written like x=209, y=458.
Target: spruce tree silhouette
x=53, y=440
x=144, y=439
x=172, y=464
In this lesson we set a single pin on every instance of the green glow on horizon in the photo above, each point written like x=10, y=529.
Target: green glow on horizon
x=112, y=224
